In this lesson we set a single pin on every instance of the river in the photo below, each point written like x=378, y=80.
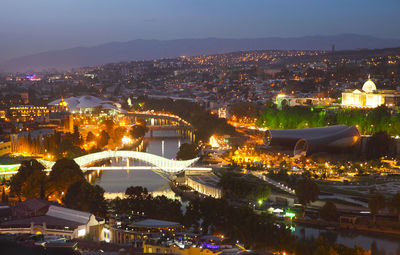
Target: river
x=385, y=244
x=163, y=143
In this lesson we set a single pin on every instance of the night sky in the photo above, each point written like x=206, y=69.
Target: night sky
x=31, y=26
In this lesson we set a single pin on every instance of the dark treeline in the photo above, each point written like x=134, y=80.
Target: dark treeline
x=139, y=200
x=368, y=121
x=208, y=215
x=219, y=216
x=244, y=186
x=65, y=183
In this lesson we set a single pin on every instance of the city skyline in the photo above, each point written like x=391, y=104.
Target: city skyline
x=28, y=28
x=212, y=127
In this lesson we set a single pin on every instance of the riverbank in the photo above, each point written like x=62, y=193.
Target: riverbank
x=359, y=228
x=189, y=195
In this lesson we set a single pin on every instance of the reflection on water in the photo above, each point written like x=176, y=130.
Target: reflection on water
x=387, y=246
x=165, y=190
x=165, y=147
x=118, y=181
x=115, y=182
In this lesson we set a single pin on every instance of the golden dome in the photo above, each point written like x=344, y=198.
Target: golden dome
x=63, y=103
x=369, y=86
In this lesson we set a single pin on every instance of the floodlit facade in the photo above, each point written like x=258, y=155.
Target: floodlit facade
x=369, y=97
x=206, y=184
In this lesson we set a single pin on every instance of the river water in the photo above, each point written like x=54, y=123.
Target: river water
x=386, y=245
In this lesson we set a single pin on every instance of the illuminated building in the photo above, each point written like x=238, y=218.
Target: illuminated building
x=283, y=100
x=222, y=113
x=26, y=113
x=206, y=184
x=60, y=113
x=33, y=77
x=62, y=106
x=88, y=105
x=369, y=97
x=53, y=116
x=5, y=148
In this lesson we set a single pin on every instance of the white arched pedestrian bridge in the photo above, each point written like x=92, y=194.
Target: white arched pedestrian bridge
x=159, y=163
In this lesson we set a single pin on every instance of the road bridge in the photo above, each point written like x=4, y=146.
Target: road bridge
x=158, y=115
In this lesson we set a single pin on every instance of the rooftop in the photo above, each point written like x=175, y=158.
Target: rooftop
x=206, y=179
x=152, y=223
x=39, y=220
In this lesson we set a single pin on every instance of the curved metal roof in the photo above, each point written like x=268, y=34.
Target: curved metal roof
x=336, y=141
x=291, y=136
x=308, y=140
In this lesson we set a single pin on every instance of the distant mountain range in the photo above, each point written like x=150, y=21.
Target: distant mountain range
x=154, y=49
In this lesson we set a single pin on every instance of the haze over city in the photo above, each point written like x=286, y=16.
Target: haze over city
x=29, y=27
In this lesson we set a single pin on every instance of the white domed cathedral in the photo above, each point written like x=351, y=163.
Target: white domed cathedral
x=370, y=97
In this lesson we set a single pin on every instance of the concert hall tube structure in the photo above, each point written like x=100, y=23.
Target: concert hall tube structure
x=309, y=140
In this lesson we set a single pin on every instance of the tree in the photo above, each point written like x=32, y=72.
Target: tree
x=84, y=197
x=66, y=148
x=118, y=134
x=90, y=137
x=187, y=151
x=138, y=131
x=139, y=200
x=395, y=203
x=108, y=125
x=378, y=145
x=244, y=109
x=4, y=197
x=64, y=173
x=306, y=191
x=375, y=204
x=324, y=250
x=103, y=139
x=137, y=192
x=30, y=180
x=192, y=216
x=328, y=211
x=236, y=185
x=76, y=136
x=260, y=192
